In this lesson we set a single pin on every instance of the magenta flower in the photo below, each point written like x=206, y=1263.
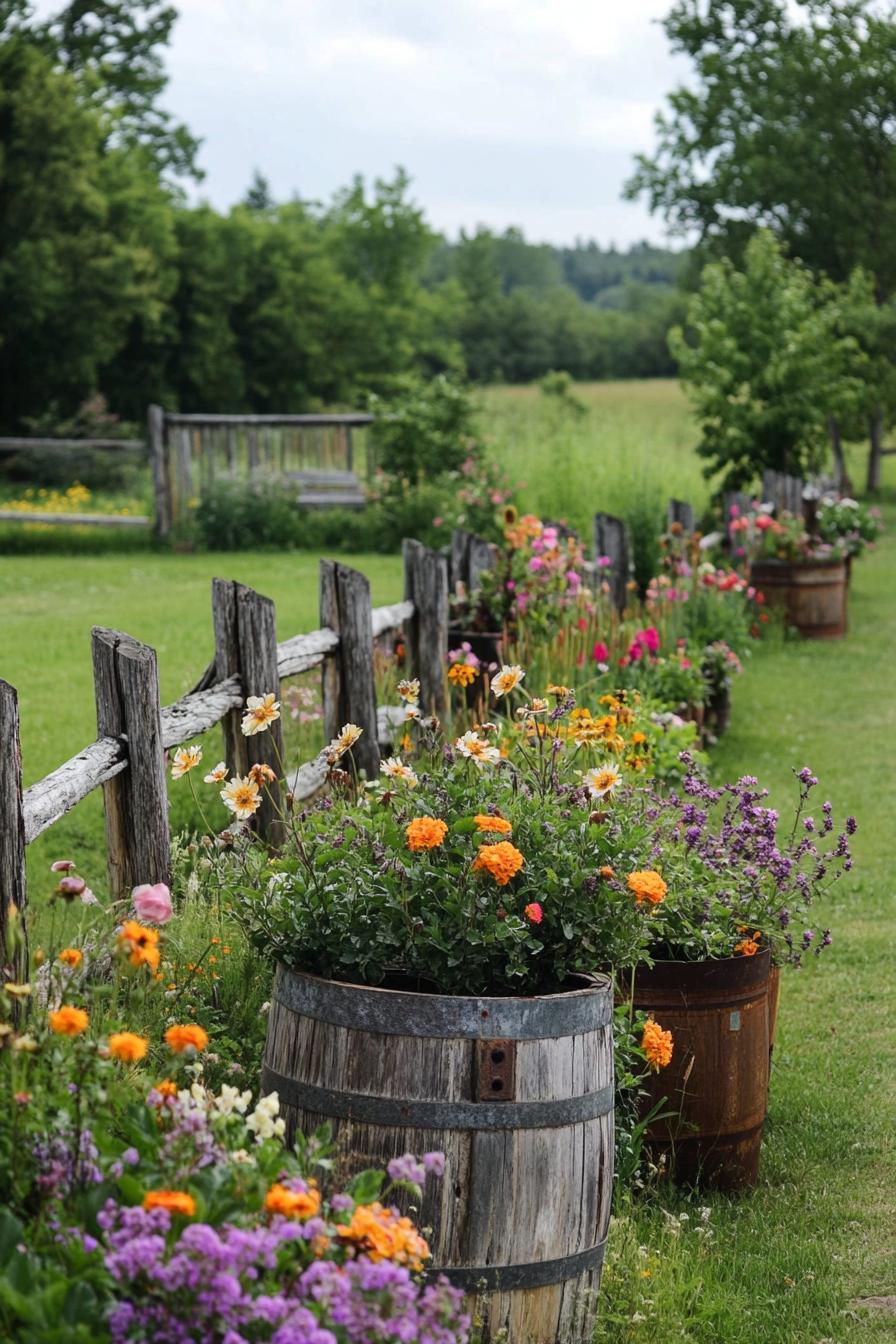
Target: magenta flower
x=600, y=653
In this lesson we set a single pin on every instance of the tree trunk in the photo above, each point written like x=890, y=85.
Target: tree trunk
x=844, y=484
x=875, y=456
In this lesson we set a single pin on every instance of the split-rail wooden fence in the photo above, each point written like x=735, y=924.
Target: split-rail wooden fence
x=134, y=731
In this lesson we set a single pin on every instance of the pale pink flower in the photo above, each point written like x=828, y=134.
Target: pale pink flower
x=152, y=904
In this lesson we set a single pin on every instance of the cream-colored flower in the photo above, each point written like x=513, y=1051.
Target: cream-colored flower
x=343, y=743
x=601, y=780
x=396, y=769
x=185, y=760
x=507, y=680
x=242, y=797
x=261, y=712
x=476, y=749
x=535, y=706
x=412, y=712
x=409, y=691
x=215, y=776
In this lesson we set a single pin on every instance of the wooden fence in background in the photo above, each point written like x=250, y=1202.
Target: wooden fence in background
x=134, y=731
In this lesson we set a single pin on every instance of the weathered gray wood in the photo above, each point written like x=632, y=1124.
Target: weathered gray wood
x=349, y=690
x=13, y=952
x=460, y=558
x=75, y=519
x=308, y=780
x=681, y=512
x=482, y=559
x=155, y=430
x=391, y=618
x=426, y=587
x=513, y=1195
x=303, y=652
x=126, y=683
x=785, y=492
x=18, y=445
x=309, y=421
x=246, y=648
x=57, y=793
x=611, y=540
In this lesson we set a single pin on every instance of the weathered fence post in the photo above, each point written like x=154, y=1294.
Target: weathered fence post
x=611, y=540
x=13, y=958
x=785, y=492
x=471, y=555
x=126, y=684
x=681, y=512
x=349, y=691
x=155, y=425
x=246, y=646
x=426, y=585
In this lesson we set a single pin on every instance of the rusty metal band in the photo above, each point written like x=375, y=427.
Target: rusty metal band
x=395, y=1012
x=415, y=1114
x=506, y=1278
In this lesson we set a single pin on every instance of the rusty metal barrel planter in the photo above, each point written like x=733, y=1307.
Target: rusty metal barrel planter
x=518, y=1094
x=812, y=594
x=716, y=1087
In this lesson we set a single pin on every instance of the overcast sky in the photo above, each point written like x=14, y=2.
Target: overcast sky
x=525, y=112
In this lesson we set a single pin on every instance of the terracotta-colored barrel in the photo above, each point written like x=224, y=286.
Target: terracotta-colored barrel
x=517, y=1092
x=774, y=992
x=716, y=1087
x=812, y=594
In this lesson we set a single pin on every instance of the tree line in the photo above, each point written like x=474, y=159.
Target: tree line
x=111, y=282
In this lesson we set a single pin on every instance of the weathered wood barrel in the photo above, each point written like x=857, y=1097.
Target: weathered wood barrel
x=774, y=995
x=716, y=1087
x=517, y=1093
x=812, y=594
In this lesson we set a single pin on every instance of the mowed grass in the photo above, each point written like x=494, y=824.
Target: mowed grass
x=628, y=452
x=48, y=605
x=784, y=1265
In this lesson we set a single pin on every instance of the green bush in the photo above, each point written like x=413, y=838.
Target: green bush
x=424, y=428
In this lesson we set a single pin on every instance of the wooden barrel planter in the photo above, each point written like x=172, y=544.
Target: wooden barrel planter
x=811, y=593
x=774, y=994
x=718, y=709
x=518, y=1094
x=716, y=1087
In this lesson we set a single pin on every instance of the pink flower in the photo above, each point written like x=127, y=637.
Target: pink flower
x=152, y=904
x=582, y=624
x=600, y=653
x=437, y=522
x=62, y=866
x=635, y=652
x=573, y=580
x=535, y=564
x=534, y=912
x=685, y=662
x=733, y=511
x=650, y=638
x=764, y=522
x=604, y=562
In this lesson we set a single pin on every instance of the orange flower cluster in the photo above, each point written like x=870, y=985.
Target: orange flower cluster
x=166, y=1088
x=647, y=886
x=128, y=1046
x=175, y=1201
x=71, y=956
x=186, y=1037
x=68, y=1021
x=140, y=944
x=656, y=1044
x=748, y=947
x=503, y=861
x=299, y=1204
x=425, y=833
x=497, y=825
x=382, y=1234
x=462, y=674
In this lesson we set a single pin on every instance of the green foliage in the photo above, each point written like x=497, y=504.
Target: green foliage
x=765, y=366
x=424, y=428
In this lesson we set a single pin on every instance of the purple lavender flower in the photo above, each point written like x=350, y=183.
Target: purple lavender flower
x=407, y=1168
x=434, y=1164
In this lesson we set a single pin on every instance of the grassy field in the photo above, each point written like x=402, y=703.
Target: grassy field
x=785, y=1265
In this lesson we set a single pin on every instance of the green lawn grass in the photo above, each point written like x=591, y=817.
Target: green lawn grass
x=48, y=604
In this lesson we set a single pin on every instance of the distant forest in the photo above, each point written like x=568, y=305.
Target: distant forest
x=112, y=283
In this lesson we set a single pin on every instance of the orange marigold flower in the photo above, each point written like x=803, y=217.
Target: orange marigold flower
x=140, y=944
x=647, y=886
x=607, y=871
x=300, y=1204
x=71, y=956
x=656, y=1044
x=747, y=947
x=425, y=833
x=503, y=861
x=67, y=1021
x=175, y=1201
x=186, y=1037
x=384, y=1235
x=497, y=825
x=166, y=1088
x=462, y=674
x=128, y=1046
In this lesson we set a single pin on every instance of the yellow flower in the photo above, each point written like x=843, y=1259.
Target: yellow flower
x=502, y=860
x=656, y=1044
x=560, y=691
x=71, y=956
x=261, y=712
x=17, y=991
x=343, y=743
x=409, y=691
x=67, y=1021
x=647, y=885
x=425, y=833
x=602, y=780
x=185, y=759
x=215, y=776
x=462, y=674
x=128, y=1046
x=507, y=680
x=396, y=769
x=476, y=749
x=242, y=797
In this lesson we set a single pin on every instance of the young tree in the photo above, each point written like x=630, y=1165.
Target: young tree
x=765, y=365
